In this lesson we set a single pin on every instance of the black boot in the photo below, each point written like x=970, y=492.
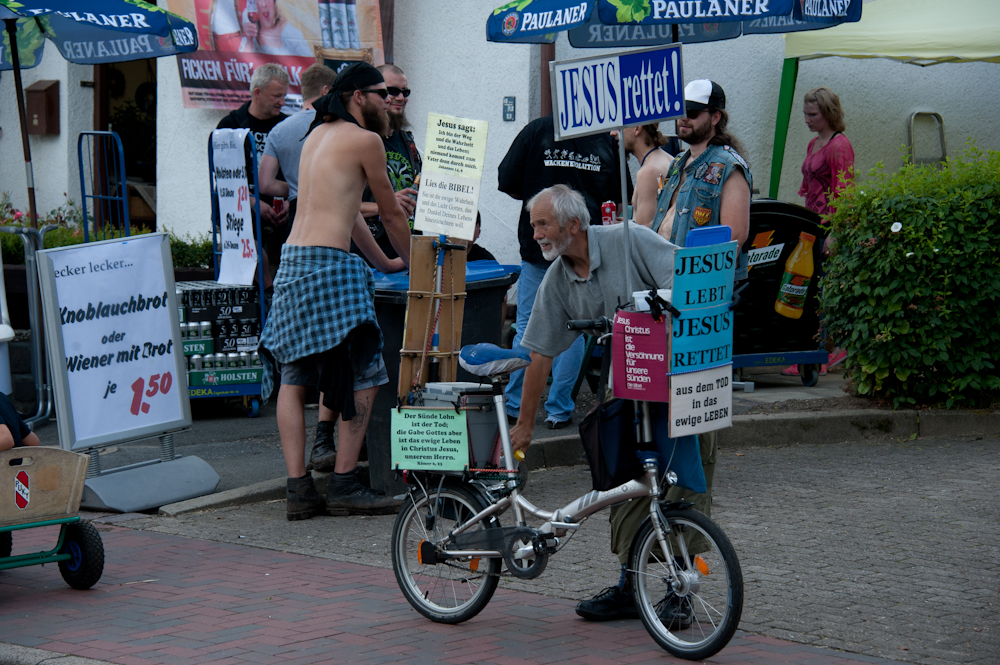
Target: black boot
x=346, y=496
x=324, y=451
x=302, y=499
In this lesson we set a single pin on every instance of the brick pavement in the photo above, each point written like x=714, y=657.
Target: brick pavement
x=882, y=548
x=175, y=600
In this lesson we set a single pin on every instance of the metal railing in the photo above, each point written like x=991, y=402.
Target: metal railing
x=104, y=169
x=33, y=240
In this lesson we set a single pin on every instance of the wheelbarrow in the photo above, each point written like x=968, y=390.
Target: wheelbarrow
x=41, y=486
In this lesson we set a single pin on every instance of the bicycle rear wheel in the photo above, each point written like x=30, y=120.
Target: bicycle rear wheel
x=451, y=591
x=694, y=615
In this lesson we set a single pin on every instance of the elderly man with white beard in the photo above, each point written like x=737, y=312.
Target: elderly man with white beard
x=585, y=281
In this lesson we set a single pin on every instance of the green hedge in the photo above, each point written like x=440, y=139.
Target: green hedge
x=913, y=288
x=187, y=251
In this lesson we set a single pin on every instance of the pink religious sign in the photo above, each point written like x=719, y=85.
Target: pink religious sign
x=639, y=357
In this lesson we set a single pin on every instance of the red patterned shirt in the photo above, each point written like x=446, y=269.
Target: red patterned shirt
x=821, y=173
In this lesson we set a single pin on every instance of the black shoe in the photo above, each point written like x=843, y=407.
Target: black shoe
x=675, y=612
x=349, y=497
x=558, y=424
x=302, y=500
x=324, y=450
x=364, y=476
x=609, y=605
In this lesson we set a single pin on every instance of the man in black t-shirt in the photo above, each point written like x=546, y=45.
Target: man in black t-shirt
x=402, y=159
x=268, y=87
x=14, y=432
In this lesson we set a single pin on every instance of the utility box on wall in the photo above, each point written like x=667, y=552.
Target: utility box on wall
x=42, y=105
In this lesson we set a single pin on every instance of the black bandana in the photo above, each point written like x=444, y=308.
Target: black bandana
x=356, y=76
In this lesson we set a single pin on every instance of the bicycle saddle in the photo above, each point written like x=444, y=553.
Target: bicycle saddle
x=491, y=360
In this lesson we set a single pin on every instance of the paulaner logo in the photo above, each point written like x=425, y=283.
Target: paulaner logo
x=662, y=9
x=510, y=24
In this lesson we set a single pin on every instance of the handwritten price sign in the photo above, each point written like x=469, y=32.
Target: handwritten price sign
x=242, y=194
x=229, y=166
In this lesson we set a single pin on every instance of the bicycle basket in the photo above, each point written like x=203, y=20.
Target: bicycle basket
x=608, y=436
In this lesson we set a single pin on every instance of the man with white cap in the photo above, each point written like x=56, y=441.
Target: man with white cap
x=699, y=192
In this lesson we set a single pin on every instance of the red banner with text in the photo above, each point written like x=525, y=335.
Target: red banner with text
x=640, y=357
x=237, y=36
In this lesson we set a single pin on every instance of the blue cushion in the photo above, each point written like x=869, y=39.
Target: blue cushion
x=490, y=359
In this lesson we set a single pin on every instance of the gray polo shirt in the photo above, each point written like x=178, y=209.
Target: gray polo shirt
x=285, y=142
x=563, y=295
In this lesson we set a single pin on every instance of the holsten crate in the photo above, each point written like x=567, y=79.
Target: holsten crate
x=39, y=483
x=225, y=377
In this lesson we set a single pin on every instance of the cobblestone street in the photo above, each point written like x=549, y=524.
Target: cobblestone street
x=887, y=549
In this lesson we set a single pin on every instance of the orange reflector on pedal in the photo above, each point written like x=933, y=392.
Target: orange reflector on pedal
x=474, y=564
x=701, y=565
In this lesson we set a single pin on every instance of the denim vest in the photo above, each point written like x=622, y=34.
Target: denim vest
x=700, y=197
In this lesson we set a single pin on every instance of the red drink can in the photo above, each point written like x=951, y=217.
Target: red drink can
x=608, y=209
x=278, y=205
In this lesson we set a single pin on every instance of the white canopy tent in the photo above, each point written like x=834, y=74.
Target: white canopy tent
x=918, y=32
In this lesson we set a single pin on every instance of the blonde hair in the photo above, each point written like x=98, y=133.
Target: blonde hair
x=829, y=105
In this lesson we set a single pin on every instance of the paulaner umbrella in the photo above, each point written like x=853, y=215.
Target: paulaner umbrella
x=90, y=33
x=649, y=22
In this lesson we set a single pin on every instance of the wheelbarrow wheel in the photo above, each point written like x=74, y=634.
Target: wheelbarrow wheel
x=252, y=405
x=86, y=563
x=809, y=374
x=6, y=544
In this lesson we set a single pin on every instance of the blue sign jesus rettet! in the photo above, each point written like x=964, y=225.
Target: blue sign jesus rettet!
x=593, y=95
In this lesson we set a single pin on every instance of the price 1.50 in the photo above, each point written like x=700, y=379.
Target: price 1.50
x=159, y=384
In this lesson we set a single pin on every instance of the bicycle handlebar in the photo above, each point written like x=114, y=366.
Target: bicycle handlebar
x=602, y=324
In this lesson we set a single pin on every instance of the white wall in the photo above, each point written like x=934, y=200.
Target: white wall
x=54, y=158
x=183, y=203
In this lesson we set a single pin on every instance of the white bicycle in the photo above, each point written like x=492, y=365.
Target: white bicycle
x=448, y=542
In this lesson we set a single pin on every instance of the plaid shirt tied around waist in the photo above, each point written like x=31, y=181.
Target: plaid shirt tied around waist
x=321, y=294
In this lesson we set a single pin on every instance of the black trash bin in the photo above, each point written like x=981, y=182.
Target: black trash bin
x=762, y=336
x=486, y=290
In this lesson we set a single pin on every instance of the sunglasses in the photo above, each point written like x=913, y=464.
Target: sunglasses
x=692, y=114
x=393, y=91
x=381, y=92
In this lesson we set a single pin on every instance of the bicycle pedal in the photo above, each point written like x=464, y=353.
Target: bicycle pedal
x=548, y=542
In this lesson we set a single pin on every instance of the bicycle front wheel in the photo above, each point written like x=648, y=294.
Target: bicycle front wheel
x=695, y=614
x=450, y=591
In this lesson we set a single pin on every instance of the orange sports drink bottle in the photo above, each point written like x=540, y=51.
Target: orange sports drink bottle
x=795, y=282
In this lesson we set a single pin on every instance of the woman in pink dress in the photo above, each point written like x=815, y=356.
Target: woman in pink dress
x=828, y=167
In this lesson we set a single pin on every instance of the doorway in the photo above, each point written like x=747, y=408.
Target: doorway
x=125, y=102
